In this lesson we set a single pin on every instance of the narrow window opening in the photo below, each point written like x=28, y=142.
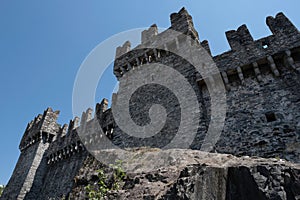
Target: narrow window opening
x=265, y=45
x=270, y=116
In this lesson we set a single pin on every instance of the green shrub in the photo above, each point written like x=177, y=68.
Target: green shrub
x=98, y=190
x=1, y=189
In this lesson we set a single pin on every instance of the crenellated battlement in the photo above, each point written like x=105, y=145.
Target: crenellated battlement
x=68, y=143
x=245, y=50
x=126, y=59
x=64, y=147
x=244, y=54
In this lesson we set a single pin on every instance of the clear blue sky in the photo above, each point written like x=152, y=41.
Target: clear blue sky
x=43, y=43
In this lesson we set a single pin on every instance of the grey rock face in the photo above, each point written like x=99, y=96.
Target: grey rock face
x=188, y=174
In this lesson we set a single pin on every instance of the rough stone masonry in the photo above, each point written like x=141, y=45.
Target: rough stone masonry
x=263, y=119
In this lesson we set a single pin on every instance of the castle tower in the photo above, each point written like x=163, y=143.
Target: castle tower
x=28, y=174
x=136, y=59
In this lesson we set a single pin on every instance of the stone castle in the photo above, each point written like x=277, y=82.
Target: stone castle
x=263, y=107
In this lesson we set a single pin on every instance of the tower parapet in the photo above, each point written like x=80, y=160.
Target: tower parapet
x=247, y=54
x=31, y=167
x=72, y=143
x=43, y=127
x=127, y=60
x=245, y=51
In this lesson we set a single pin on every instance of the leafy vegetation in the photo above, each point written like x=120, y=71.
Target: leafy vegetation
x=105, y=183
x=1, y=189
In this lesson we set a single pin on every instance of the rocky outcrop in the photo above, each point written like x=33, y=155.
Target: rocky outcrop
x=190, y=174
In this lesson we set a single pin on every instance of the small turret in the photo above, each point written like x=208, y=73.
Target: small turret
x=42, y=127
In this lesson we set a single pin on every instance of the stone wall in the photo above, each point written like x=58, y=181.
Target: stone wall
x=261, y=77
x=28, y=173
x=262, y=117
x=59, y=179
